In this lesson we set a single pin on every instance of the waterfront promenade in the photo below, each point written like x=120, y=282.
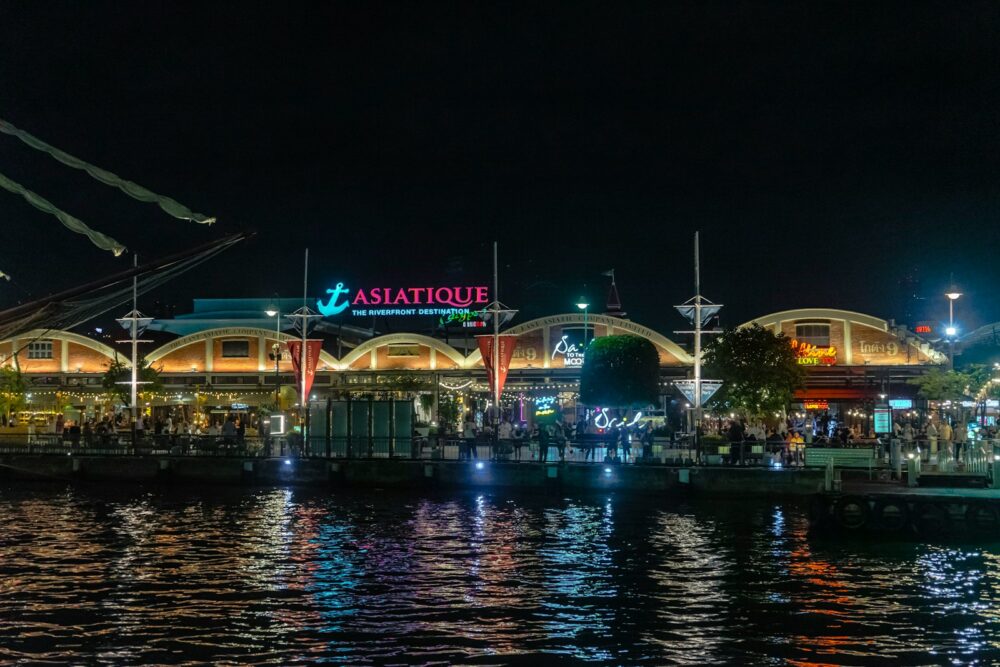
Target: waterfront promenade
x=419, y=464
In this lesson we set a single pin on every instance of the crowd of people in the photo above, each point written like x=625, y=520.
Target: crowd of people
x=112, y=429
x=789, y=438
x=512, y=437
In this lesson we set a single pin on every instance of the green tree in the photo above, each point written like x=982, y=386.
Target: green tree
x=621, y=372
x=117, y=379
x=759, y=370
x=939, y=385
x=12, y=391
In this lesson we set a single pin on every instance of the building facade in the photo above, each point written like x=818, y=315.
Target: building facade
x=219, y=363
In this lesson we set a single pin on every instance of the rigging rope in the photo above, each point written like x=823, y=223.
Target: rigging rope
x=170, y=206
x=73, y=224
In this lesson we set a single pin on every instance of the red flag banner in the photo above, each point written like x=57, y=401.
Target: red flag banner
x=313, y=348
x=506, y=345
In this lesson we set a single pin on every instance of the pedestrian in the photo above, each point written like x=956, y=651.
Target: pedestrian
x=626, y=439
x=543, y=443
x=960, y=438
x=735, y=437
x=944, y=437
x=469, y=437
x=908, y=433
x=647, y=441
x=932, y=437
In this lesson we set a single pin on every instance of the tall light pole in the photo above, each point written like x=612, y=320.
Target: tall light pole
x=276, y=348
x=583, y=305
x=951, y=330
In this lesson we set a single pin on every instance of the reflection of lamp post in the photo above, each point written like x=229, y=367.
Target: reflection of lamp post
x=583, y=305
x=276, y=348
x=951, y=330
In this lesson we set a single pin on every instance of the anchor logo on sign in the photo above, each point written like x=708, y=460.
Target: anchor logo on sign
x=331, y=307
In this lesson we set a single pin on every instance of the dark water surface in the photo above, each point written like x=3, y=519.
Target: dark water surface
x=90, y=575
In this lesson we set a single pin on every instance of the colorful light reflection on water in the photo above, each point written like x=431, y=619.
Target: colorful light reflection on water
x=285, y=576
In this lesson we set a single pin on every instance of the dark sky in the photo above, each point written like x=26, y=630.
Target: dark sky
x=825, y=150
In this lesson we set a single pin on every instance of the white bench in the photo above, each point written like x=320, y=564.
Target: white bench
x=821, y=457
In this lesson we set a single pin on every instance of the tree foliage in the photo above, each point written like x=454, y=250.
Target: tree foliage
x=12, y=391
x=758, y=368
x=939, y=385
x=620, y=371
x=117, y=379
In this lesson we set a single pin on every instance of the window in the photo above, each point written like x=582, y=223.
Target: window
x=235, y=349
x=403, y=351
x=814, y=333
x=40, y=349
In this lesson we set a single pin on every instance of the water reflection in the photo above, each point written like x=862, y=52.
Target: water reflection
x=281, y=576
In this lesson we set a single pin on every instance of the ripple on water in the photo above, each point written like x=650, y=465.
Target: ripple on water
x=283, y=577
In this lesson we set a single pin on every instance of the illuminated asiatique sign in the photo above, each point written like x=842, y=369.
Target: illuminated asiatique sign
x=807, y=354
x=402, y=301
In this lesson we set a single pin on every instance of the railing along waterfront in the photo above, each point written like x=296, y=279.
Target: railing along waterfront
x=975, y=456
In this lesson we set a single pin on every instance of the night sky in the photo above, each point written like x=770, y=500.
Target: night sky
x=827, y=152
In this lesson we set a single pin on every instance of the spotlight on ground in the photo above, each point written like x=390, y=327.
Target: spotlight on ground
x=288, y=462
x=480, y=465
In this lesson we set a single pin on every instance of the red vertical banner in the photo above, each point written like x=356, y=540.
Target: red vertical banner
x=313, y=348
x=506, y=345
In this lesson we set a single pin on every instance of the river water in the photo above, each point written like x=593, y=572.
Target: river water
x=91, y=575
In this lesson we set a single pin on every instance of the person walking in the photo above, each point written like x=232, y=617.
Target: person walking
x=735, y=436
x=543, y=443
x=932, y=438
x=960, y=438
x=469, y=437
x=944, y=436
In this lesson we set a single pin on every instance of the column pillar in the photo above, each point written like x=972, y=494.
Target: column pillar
x=546, y=345
x=848, y=352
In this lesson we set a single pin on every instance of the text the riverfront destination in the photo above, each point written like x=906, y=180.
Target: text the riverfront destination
x=402, y=301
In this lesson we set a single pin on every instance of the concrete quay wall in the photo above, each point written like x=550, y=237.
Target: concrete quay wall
x=400, y=473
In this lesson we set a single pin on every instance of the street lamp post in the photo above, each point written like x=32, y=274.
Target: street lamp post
x=583, y=305
x=276, y=314
x=951, y=330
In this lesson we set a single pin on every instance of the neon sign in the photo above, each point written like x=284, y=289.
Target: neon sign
x=545, y=406
x=807, y=354
x=470, y=319
x=816, y=405
x=571, y=355
x=923, y=328
x=603, y=420
x=442, y=301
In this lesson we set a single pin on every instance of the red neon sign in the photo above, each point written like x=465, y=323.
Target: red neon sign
x=808, y=354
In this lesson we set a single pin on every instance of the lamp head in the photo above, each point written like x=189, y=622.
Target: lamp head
x=271, y=312
x=950, y=331
x=582, y=304
x=953, y=295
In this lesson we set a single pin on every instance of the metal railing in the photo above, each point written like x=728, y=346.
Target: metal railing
x=122, y=443
x=447, y=448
